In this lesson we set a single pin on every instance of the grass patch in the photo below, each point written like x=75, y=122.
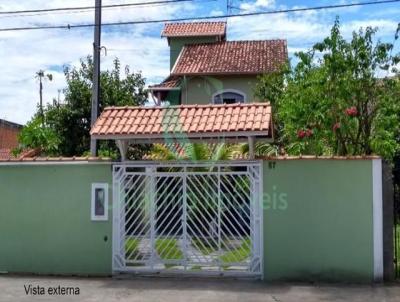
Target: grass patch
x=132, y=249
x=168, y=249
x=195, y=268
x=206, y=247
x=239, y=254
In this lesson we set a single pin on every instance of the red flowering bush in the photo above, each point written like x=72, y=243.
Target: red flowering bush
x=352, y=111
x=336, y=126
x=301, y=134
x=332, y=102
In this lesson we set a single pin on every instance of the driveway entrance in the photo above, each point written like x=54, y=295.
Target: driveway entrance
x=200, y=218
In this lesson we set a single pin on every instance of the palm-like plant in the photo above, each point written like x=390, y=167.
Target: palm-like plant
x=40, y=75
x=261, y=149
x=193, y=152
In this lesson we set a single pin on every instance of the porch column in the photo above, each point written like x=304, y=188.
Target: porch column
x=251, y=147
x=123, y=148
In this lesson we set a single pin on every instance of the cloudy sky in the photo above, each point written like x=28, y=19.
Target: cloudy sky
x=23, y=53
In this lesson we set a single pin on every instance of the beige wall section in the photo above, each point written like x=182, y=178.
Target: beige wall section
x=200, y=89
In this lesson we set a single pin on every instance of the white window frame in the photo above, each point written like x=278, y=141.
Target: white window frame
x=229, y=90
x=93, y=215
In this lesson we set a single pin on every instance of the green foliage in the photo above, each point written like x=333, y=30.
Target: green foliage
x=238, y=254
x=335, y=100
x=206, y=247
x=105, y=151
x=36, y=136
x=71, y=120
x=168, y=249
x=260, y=149
x=194, y=152
x=132, y=248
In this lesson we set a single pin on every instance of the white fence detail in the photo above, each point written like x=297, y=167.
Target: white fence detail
x=197, y=218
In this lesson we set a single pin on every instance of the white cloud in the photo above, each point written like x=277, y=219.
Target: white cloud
x=23, y=53
x=302, y=29
x=258, y=4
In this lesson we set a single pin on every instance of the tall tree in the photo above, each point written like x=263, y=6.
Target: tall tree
x=70, y=120
x=342, y=98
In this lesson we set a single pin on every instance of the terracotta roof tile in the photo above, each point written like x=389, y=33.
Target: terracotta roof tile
x=7, y=154
x=170, y=83
x=188, y=119
x=233, y=57
x=55, y=159
x=194, y=29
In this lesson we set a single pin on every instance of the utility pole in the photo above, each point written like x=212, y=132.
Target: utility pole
x=96, y=72
x=229, y=6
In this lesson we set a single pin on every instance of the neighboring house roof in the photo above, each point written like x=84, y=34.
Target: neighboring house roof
x=8, y=124
x=7, y=154
x=170, y=83
x=231, y=57
x=184, y=121
x=194, y=29
x=55, y=159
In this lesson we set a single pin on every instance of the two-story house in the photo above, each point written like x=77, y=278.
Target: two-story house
x=206, y=68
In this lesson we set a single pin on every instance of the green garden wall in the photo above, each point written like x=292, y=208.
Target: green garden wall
x=45, y=223
x=324, y=229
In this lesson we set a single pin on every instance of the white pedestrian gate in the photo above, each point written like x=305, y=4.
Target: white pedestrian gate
x=199, y=218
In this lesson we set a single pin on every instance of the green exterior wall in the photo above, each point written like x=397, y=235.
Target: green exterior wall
x=173, y=97
x=318, y=220
x=45, y=222
x=199, y=90
x=324, y=229
x=176, y=44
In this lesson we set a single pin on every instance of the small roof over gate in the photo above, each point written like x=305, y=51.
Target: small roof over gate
x=149, y=124
x=233, y=122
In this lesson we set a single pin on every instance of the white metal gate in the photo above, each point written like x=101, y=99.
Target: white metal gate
x=199, y=218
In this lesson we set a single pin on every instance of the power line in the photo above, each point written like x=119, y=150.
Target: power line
x=69, y=26
x=89, y=10
x=90, y=7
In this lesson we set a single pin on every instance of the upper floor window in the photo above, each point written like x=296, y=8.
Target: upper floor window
x=229, y=97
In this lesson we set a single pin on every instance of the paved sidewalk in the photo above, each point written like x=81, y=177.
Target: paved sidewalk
x=189, y=289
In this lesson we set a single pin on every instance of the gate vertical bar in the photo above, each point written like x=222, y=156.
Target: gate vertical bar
x=115, y=225
x=152, y=198
x=121, y=213
x=256, y=217
x=219, y=220
x=184, y=218
x=261, y=209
